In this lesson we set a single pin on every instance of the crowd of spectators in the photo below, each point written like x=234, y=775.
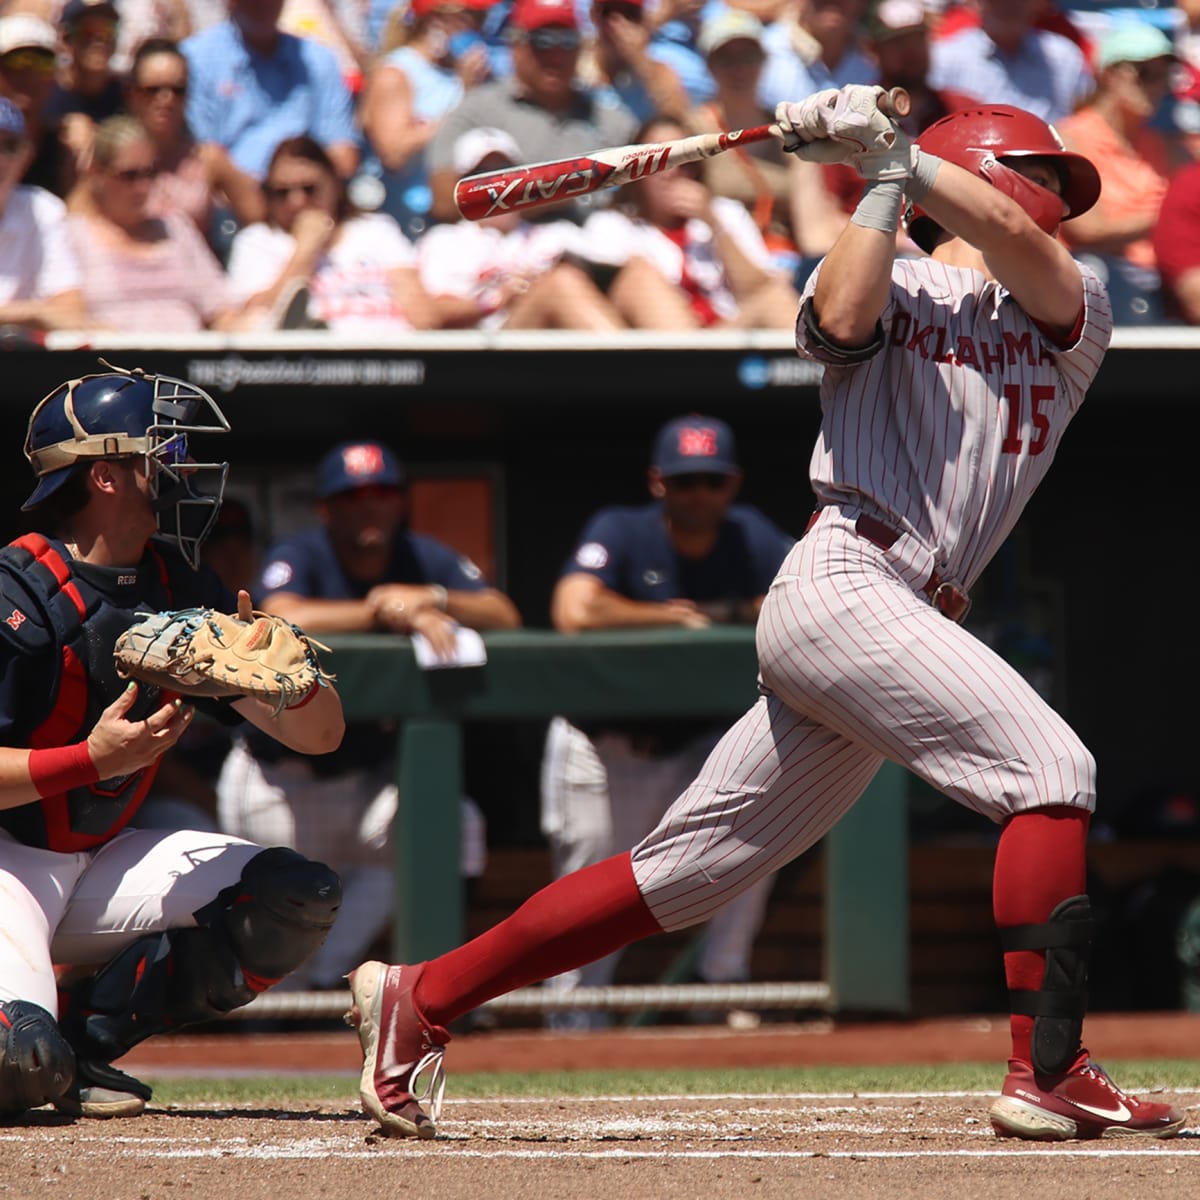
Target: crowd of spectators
x=259, y=164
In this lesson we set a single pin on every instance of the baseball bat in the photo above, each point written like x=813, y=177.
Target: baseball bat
x=533, y=185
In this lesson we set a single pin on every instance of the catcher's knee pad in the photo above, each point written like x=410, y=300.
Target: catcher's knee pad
x=277, y=914
x=1059, y=1005
x=249, y=937
x=36, y=1062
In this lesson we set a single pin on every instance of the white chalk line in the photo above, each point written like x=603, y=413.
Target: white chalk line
x=567, y=1152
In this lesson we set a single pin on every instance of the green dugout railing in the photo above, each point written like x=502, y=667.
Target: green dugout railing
x=537, y=674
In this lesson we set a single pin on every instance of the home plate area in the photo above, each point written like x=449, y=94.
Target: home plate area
x=937, y=1145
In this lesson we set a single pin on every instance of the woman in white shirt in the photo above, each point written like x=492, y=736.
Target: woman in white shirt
x=318, y=263
x=687, y=259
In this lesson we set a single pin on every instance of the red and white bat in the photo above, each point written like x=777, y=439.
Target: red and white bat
x=533, y=185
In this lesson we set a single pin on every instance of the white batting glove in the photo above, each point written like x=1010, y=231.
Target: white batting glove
x=845, y=125
x=892, y=158
x=799, y=123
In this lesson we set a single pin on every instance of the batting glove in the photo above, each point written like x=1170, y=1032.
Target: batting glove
x=798, y=124
x=892, y=157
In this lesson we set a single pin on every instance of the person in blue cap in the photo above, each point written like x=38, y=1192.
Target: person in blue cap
x=359, y=568
x=690, y=558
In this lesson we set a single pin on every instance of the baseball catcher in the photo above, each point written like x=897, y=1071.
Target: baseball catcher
x=159, y=928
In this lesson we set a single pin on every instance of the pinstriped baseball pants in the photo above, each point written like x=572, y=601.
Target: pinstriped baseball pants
x=855, y=666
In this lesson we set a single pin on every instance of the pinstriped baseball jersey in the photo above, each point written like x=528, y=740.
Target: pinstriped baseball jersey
x=943, y=433
x=946, y=432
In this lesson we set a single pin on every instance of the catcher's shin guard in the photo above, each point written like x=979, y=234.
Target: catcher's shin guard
x=253, y=934
x=1059, y=1005
x=36, y=1063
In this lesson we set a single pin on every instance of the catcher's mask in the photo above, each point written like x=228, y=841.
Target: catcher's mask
x=985, y=141
x=130, y=414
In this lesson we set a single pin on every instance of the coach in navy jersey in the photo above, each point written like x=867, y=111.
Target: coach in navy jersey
x=359, y=568
x=690, y=558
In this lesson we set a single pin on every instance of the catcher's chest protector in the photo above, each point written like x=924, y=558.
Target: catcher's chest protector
x=72, y=617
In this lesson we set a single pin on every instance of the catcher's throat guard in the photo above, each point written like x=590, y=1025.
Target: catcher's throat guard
x=132, y=414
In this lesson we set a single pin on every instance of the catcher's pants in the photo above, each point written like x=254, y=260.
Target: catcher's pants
x=600, y=796
x=344, y=821
x=82, y=909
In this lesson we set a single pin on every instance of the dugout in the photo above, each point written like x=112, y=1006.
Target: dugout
x=514, y=440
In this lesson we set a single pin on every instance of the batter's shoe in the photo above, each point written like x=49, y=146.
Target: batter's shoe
x=1082, y=1103
x=398, y=1047
x=101, y=1091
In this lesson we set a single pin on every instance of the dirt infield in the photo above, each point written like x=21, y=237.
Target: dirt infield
x=936, y=1146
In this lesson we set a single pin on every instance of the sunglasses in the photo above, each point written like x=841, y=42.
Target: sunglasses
x=554, y=39
x=178, y=90
x=135, y=174
x=736, y=58
x=692, y=480
x=10, y=146
x=281, y=191
x=631, y=12
x=102, y=31
x=29, y=59
x=1152, y=73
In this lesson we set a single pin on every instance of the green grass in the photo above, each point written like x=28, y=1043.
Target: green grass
x=276, y=1090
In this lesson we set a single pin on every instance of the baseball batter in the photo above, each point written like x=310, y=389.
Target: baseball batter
x=154, y=928
x=949, y=383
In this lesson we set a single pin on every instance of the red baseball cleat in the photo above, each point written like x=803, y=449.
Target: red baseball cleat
x=398, y=1046
x=1081, y=1103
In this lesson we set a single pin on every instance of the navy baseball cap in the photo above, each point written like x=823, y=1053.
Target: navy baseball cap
x=358, y=464
x=693, y=444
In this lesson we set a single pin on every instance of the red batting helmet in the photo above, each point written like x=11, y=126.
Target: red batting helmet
x=982, y=139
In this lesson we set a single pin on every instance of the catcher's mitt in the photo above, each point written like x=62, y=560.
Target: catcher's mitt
x=202, y=652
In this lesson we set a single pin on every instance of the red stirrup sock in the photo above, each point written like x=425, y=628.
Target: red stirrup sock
x=1041, y=860
x=572, y=921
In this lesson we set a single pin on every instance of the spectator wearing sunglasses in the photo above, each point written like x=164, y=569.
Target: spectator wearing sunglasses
x=437, y=56
x=318, y=263
x=760, y=174
x=620, y=67
x=545, y=106
x=692, y=557
x=87, y=89
x=1134, y=64
x=28, y=61
x=193, y=178
x=39, y=275
x=142, y=272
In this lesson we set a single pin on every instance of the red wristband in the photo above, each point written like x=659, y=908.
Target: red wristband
x=61, y=768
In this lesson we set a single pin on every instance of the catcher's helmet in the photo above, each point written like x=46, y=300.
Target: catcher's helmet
x=129, y=414
x=982, y=139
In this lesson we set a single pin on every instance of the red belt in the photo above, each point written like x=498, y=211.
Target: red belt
x=948, y=598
